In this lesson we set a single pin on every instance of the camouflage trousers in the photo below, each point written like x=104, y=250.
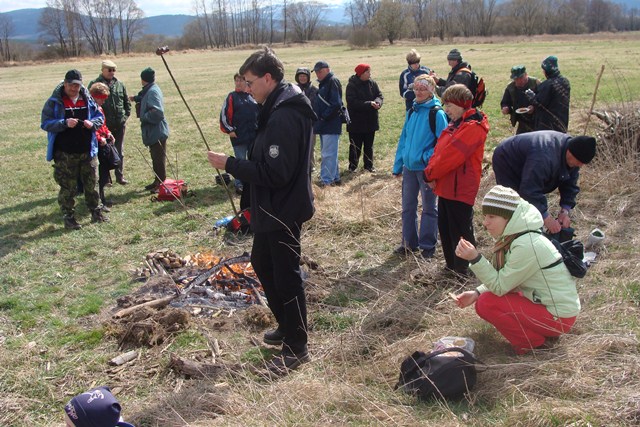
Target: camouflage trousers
x=68, y=169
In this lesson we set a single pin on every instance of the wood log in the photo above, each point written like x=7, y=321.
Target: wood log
x=123, y=358
x=156, y=303
x=195, y=369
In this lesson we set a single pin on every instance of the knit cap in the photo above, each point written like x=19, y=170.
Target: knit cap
x=583, y=148
x=95, y=408
x=501, y=201
x=361, y=68
x=148, y=75
x=454, y=54
x=550, y=64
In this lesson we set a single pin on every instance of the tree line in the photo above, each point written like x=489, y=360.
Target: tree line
x=96, y=27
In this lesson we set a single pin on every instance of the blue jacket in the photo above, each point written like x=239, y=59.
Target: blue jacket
x=406, y=78
x=417, y=142
x=239, y=114
x=52, y=118
x=329, y=122
x=153, y=125
x=534, y=164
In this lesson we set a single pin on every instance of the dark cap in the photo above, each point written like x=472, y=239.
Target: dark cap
x=583, y=148
x=320, y=65
x=550, y=64
x=454, y=54
x=148, y=75
x=73, y=77
x=518, y=71
x=95, y=408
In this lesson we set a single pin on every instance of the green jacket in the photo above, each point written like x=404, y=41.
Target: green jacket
x=523, y=269
x=117, y=107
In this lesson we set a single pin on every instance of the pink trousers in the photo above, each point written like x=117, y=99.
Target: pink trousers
x=524, y=324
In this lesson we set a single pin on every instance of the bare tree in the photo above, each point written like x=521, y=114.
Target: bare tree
x=59, y=23
x=485, y=16
x=422, y=18
x=304, y=18
x=442, y=17
x=389, y=19
x=363, y=11
x=528, y=14
x=129, y=22
x=6, y=29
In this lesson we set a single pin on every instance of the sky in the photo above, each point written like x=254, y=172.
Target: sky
x=150, y=7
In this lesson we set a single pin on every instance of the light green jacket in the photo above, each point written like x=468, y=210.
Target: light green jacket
x=523, y=270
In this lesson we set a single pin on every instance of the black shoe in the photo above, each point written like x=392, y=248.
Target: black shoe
x=151, y=186
x=70, y=223
x=273, y=337
x=122, y=181
x=337, y=183
x=426, y=254
x=105, y=208
x=97, y=216
x=371, y=169
x=403, y=250
x=286, y=362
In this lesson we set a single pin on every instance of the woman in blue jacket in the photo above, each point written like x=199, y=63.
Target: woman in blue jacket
x=424, y=122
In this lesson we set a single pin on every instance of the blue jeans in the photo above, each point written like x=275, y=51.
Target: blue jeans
x=329, y=172
x=240, y=152
x=412, y=184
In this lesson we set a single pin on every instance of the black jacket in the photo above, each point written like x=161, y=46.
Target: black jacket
x=457, y=77
x=552, y=104
x=278, y=168
x=359, y=94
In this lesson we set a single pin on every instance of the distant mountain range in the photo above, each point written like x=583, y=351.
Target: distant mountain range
x=25, y=22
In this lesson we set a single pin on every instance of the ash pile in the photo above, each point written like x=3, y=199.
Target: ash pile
x=203, y=284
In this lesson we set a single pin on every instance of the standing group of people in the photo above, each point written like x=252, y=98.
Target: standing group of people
x=81, y=122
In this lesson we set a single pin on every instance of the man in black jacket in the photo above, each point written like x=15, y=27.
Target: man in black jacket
x=536, y=163
x=552, y=99
x=460, y=73
x=278, y=172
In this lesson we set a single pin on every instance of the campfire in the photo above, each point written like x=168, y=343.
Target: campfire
x=203, y=284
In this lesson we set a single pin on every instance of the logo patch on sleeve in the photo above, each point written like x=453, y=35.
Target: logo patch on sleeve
x=274, y=151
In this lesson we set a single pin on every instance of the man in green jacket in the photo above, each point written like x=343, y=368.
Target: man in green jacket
x=117, y=109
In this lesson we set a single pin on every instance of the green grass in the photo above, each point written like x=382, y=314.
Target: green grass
x=56, y=287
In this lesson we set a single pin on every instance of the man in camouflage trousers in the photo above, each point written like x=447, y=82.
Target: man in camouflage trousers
x=70, y=117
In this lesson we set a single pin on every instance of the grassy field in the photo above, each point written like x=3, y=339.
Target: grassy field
x=368, y=309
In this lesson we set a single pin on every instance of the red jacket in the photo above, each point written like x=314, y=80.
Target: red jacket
x=456, y=164
x=102, y=131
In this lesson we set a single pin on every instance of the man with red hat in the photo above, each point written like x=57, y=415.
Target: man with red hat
x=364, y=99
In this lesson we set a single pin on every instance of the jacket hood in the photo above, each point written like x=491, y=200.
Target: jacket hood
x=526, y=217
x=303, y=70
x=429, y=104
x=292, y=96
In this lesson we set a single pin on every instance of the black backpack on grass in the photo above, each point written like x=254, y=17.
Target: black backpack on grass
x=437, y=374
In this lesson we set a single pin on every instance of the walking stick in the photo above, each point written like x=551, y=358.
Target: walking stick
x=160, y=52
x=593, y=100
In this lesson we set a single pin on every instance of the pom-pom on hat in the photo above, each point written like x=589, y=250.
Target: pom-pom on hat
x=148, y=75
x=501, y=201
x=73, y=77
x=454, y=54
x=361, y=68
x=518, y=71
x=95, y=408
x=583, y=148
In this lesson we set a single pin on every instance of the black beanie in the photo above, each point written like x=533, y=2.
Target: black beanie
x=148, y=75
x=583, y=148
x=455, y=55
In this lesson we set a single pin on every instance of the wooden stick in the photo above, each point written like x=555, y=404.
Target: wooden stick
x=124, y=358
x=160, y=302
x=593, y=100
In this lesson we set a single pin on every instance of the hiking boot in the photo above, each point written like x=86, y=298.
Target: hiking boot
x=105, y=208
x=151, y=186
x=273, y=337
x=427, y=254
x=97, y=216
x=122, y=181
x=70, y=223
x=286, y=362
x=371, y=169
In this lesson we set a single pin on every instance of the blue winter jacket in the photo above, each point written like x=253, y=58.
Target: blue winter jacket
x=53, y=122
x=329, y=122
x=152, y=121
x=417, y=141
x=406, y=80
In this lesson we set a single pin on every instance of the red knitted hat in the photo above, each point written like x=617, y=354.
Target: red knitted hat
x=361, y=68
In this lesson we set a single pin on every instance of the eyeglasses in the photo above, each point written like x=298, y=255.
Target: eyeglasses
x=251, y=82
x=111, y=70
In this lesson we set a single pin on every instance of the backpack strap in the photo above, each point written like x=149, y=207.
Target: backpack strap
x=432, y=118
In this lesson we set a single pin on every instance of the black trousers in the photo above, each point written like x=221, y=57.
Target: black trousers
x=276, y=260
x=356, y=142
x=455, y=220
x=158, y=159
x=118, y=134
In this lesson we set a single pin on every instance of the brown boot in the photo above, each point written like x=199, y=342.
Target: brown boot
x=98, y=216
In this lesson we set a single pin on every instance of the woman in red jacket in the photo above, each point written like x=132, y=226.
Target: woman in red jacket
x=453, y=173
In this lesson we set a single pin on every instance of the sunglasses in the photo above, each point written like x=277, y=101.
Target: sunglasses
x=111, y=70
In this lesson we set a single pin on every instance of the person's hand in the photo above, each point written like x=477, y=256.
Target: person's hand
x=233, y=134
x=71, y=123
x=531, y=109
x=431, y=184
x=88, y=124
x=217, y=160
x=552, y=225
x=466, y=250
x=111, y=138
x=398, y=175
x=530, y=94
x=467, y=298
x=506, y=110
x=375, y=105
x=564, y=219
x=131, y=98
x=102, y=142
